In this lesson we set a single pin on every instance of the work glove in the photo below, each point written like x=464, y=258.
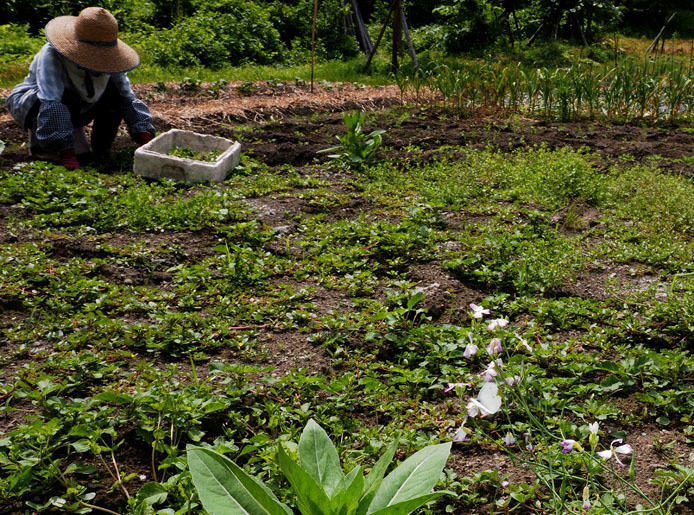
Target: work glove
x=68, y=159
x=143, y=138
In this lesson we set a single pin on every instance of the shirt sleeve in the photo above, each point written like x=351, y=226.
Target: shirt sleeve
x=135, y=112
x=54, y=126
x=53, y=123
x=50, y=76
x=122, y=84
x=138, y=118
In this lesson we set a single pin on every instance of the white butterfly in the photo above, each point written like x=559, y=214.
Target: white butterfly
x=488, y=401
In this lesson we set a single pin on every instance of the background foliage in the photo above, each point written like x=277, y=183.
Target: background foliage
x=217, y=32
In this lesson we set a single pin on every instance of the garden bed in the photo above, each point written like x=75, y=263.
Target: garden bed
x=142, y=315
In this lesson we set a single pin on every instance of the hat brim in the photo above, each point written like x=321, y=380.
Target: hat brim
x=60, y=32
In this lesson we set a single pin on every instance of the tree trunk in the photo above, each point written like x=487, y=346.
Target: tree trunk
x=397, y=35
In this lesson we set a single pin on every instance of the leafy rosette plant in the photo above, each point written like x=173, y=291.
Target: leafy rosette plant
x=356, y=149
x=320, y=484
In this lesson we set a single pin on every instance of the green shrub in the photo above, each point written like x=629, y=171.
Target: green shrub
x=239, y=32
x=16, y=44
x=293, y=20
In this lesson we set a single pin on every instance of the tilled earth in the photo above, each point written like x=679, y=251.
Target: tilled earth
x=291, y=124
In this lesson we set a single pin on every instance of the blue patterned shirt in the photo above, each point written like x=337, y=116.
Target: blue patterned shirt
x=50, y=74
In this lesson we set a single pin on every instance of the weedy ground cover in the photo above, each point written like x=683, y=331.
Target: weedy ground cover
x=534, y=307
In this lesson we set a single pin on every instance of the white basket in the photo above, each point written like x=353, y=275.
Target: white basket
x=152, y=160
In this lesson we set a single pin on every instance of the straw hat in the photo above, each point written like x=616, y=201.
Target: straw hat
x=91, y=41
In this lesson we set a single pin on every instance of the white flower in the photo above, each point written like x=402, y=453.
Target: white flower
x=498, y=322
x=593, y=427
x=616, y=451
x=460, y=435
x=470, y=349
x=478, y=311
x=462, y=432
x=524, y=342
x=509, y=439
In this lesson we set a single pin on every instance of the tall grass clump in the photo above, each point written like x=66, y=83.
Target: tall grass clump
x=647, y=88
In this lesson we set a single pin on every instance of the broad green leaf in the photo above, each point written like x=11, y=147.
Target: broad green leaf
x=225, y=489
x=319, y=458
x=373, y=481
x=346, y=498
x=415, y=477
x=311, y=498
x=406, y=507
x=81, y=445
x=415, y=299
x=152, y=493
x=79, y=468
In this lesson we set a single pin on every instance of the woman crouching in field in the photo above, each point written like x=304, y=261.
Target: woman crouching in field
x=79, y=75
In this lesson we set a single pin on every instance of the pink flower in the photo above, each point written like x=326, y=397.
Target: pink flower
x=586, y=498
x=497, y=323
x=478, y=311
x=568, y=445
x=490, y=373
x=512, y=380
x=494, y=347
x=528, y=443
x=616, y=451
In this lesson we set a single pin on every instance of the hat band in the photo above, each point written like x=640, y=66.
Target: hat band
x=99, y=43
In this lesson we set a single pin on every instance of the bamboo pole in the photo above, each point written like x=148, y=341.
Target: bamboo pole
x=380, y=35
x=313, y=40
x=654, y=44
